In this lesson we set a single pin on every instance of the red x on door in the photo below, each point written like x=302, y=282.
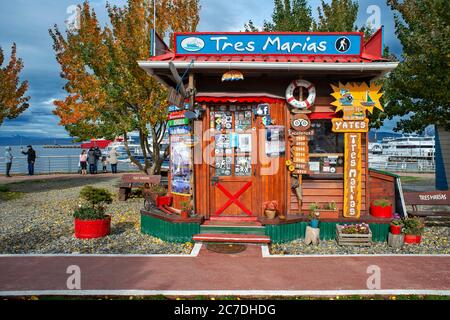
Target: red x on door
x=233, y=198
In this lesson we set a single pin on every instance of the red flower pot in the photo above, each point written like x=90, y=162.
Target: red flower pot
x=90, y=229
x=381, y=212
x=184, y=214
x=163, y=200
x=412, y=238
x=395, y=229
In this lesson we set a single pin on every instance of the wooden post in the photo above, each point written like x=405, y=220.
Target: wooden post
x=395, y=240
x=312, y=235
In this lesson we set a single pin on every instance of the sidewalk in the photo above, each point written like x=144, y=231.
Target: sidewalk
x=213, y=273
x=21, y=178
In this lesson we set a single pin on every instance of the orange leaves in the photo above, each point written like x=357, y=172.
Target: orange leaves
x=12, y=91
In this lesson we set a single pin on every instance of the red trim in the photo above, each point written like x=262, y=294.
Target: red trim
x=372, y=49
x=233, y=199
x=260, y=99
x=272, y=33
x=322, y=115
x=307, y=103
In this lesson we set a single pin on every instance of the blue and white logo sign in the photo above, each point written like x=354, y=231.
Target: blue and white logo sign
x=342, y=44
x=269, y=43
x=192, y=44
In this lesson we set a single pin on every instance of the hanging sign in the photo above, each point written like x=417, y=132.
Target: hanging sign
x=176, y=115
x=180, y=130
x=263, y=109
x=352, y=175
x=178, y=122
x=232, y=75
x=300, y=122
x=341, y=125
x=175, y=98
x=239, y=43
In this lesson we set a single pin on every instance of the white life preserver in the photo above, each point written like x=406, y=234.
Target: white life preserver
x=308, y=102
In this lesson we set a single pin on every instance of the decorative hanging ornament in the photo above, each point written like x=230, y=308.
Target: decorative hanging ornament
x=304, y=104
x=232, y=75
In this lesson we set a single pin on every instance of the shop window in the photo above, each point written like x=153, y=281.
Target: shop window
x=326, y=150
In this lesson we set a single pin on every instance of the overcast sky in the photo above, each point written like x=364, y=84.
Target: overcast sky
x=26, y=22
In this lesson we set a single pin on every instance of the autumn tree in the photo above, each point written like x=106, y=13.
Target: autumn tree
x=339, y=16
x=12, y=92
x=288, y=15
x=109, y=95
x=419, y=86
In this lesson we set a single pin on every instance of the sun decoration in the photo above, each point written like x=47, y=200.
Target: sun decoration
x=357, y=95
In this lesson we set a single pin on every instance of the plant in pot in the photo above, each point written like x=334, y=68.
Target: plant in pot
x=159, y=196
x=413, y=229
x=91, y=220
x=396, y=225
x=186, y=209
x=329, y=211
x=314, y=215
x=270, y=208
x=381, y=208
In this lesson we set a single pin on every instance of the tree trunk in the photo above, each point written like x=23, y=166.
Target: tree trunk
x=132, y=159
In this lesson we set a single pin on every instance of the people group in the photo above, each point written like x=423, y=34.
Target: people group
x=31, y=159
x=93, y=156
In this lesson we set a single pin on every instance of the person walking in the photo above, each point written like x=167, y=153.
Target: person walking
x=91, y=160
x=112, y=155
x=8, y=160
x=83, y=162
x=98, y=156
x=31, y=159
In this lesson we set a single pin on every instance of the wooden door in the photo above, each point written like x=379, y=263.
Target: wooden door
x=234, y=182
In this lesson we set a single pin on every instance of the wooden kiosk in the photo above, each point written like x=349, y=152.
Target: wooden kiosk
x=278, y=117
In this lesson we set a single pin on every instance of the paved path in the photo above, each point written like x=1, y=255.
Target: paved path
x=21, y=178
x=212, y=271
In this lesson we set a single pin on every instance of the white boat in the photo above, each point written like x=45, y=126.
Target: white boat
x=406, y=153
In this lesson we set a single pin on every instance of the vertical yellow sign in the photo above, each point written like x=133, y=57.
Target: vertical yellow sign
x=352, y=175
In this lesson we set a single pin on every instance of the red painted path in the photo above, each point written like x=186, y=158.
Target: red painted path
x=211, y=271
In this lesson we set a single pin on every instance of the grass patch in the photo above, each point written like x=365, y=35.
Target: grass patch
x=6, y=194
x=412, y=179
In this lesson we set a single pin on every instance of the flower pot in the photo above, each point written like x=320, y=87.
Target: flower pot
x=184, y=214
x=329, y=214
x=381, y=212
x=314, y=223
x=91, y=229
x=270, y=214
x=412, y=238
x=282, y=216
x=395, y=229
x=163, y=200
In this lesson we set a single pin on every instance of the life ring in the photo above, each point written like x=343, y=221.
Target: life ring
x=308, y=102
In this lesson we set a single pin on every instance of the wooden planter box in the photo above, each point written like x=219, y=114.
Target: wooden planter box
x=344, y=239
x=329, y=214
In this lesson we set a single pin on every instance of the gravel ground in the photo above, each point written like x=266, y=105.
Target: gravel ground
x=41, y=222
x=435, y=240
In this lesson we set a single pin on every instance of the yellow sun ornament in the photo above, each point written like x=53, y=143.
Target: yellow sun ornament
x=357, y=95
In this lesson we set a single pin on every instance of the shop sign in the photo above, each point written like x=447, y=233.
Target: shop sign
x=300, y=122
x=263, y=109
x=239, y=43
x=178, y=122
x=300, y=135
x=352, y=175
x=341, y=125
x=176, y=115
x=180, y=130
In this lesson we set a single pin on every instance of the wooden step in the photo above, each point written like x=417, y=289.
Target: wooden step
x=235, y=229
x=233, y=218
x=232, y=223
x=234, y=238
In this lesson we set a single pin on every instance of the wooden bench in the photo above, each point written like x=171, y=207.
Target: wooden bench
x=130, y=181
x=430, y=198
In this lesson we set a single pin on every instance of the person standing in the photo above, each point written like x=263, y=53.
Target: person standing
x=8, y=160
x=83, y=162
x=112, y=155
x=104, y=163
x=98, y=156
x=31, y=159
x=91, y=160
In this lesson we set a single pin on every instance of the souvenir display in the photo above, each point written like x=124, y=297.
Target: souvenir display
x=243, y=166
x=180, y=165
x=275, y=144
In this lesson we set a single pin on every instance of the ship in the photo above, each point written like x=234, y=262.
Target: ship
x=369, y=102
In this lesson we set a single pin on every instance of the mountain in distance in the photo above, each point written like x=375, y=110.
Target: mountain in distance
x=19, y=140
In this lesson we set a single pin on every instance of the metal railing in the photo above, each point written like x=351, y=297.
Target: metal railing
x=56, y=164
x=424, y=167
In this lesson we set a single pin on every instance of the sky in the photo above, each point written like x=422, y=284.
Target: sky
x=26, y=22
